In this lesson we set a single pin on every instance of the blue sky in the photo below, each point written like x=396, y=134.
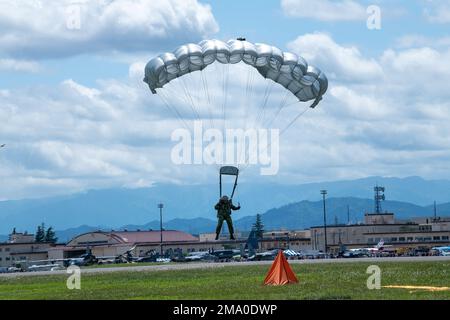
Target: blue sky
x=76, y=114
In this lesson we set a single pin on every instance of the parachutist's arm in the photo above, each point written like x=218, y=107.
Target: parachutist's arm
x=235, y=208
x=217, y=206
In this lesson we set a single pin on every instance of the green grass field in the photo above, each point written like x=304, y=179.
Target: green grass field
x=317, y=281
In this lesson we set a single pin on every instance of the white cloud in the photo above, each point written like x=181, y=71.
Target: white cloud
x=19, y=65
x=47, y=30
x=346, y=61
x=392, y=119
x=419, y=74
x=418, y=61
x=438, y=11
x=417, y=40
x=325, y=10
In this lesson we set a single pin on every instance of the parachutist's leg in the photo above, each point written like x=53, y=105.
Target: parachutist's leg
x=230, y=227
x=219, y=226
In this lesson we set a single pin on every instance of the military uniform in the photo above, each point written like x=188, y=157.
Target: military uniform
x=224, y=208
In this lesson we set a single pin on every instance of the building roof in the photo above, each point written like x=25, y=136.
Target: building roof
x=129, y=237
x=410, y=231
x=379, y=214
x=365, y=225
x=153, y=236
x=25, y=243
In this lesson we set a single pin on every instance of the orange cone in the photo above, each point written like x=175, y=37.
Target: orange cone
x=280, y=273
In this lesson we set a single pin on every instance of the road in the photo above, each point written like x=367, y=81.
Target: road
x=187, y=266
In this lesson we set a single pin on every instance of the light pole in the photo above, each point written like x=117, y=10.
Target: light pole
x=324, y=193
x=160, y=206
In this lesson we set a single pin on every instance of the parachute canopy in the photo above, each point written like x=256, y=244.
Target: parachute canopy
x=306, y=82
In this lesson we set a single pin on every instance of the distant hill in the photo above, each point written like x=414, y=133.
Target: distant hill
x=118, y=207
x=304, y=214
x=297, y=215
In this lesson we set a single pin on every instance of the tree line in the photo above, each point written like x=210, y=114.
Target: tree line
x=45, y=235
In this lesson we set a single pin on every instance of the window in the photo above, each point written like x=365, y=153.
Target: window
x=401, y=239
x=444, y=238
x=7, y=259
x=410, y=238
x=394, y=239
x=0, y=258
x=7, y=249
x=427, y=239
x=437, y=238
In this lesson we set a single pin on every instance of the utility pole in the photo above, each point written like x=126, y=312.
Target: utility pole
x=435, y=212
x=324, y=193
x=348, y=214
x=161, y=206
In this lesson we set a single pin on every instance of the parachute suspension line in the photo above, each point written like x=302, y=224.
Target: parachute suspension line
x=208, y=99
x=173, y=109
x=173, y=93
x=294, y=120
x=248, y=91
x=188, y=95
x=282, y=105
x=239, y=157
x=196, y=92
x=254, y=123
x=225, y=91
x=248, y=94
x=223, y=100
x=255, y=118
x=266, y=99
x=281, y=133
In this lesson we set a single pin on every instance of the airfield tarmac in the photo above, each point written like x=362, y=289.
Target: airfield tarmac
x=204, y=265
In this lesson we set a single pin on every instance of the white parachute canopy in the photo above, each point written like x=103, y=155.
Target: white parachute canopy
x=235, y=84
x=289, y=70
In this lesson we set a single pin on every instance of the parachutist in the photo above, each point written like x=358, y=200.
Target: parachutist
x=241, y=39
x=224, y=207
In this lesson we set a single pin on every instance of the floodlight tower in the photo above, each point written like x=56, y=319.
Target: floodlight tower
x=379, y=196
x=160, y=207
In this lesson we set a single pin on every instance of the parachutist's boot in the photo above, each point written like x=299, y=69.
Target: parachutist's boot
x=232, y=237
x=217, y=236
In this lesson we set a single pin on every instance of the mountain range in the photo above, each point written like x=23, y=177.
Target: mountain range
x=298, y=215
x=190, y=207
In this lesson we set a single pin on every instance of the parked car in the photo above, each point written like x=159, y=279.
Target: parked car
x=224, y=255
x=199, y=256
